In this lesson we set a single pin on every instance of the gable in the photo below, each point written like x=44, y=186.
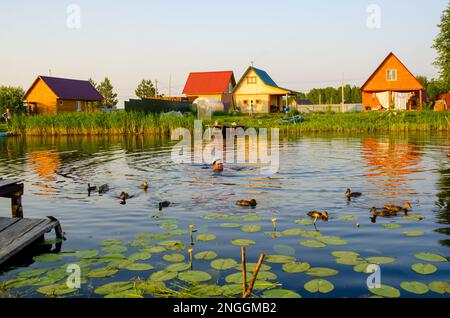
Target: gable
x=39, y=90
x=201, y=83
x=405, y=79
x=264, y=84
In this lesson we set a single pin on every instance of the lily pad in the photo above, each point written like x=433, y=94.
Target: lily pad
x=429, y=257
x=361, y=268
x=251, y=228
x=111, y=242
x=386, y=291
x=332, y=240
x=348, y=218
x=345, y=254
x=230, y=225
x=304, y=222
x=243, y=242
x=86, y=254
x=31, y=273
x=439, y=287
x=154, y=249
x=178, y=267
x=174, y=258
x=413, y=233
x=413, y=217
x=350, y=261
x=162, y=276
x=57, y=273
x=280, y=293
x=310, y=234
x=284, y=250
x=424, y=269
x=296, y=267
x=194, y=276
x=120, y=263
x=112, y=257
x=206, y=255
x=140, y=256
x=206, y=237
x=173, y=245
x=380, y=260
x=252, y=266
x=113, y=288
x=392, y=226
x=293, y=232
x=251, y=218
x=115, y=249
x=415, y=287
x=139, y=267
x=55, y=290
x=139, y=243
x=313, y=244
x=322, y=272
x=280, y=259
x=231, y=290
x=319, y=286
x=48, y=258
x=124, y=294
x=237, y=277
x=223, y=264
x=169, y=226
x=102, y=272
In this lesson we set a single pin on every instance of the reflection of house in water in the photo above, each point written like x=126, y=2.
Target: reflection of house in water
x=45, y=164
x=443, y=204
x=389, y=165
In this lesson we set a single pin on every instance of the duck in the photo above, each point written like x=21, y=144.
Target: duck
x=384, y=213
x=252, y=203
x=144, y=185
x=124, y=197
x=349, y=194
x=91, y=188
x=164, y=204
x=396, y=209
x=318, y=215
x=103, y=189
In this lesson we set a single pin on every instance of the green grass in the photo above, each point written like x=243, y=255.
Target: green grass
x=123, y=123
x=3, y=127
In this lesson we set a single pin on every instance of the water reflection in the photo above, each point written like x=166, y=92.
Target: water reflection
x=443, y=204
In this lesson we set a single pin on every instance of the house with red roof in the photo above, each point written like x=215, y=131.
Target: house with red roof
x=52, y=95
x=213, y=85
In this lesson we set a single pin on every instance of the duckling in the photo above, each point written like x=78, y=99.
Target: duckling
x=144, y=185
x=319, y=215
x=164, y=204
x=103, y=189
x=124, y=197
x=349, y=194
x=383, y=213
x=252, y=203
x=394, y=208
x=91, y=188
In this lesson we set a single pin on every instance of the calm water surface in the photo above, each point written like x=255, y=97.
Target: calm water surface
x=315, y=171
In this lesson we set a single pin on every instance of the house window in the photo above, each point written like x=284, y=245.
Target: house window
x=251, y=80
x=78, y=106
x=391, y=75
x=245, y=102
x=61, y=103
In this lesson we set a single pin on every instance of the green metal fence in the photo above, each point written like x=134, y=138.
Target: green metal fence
x=157, y=106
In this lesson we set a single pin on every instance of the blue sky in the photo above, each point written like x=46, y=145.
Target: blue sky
x=301, y=44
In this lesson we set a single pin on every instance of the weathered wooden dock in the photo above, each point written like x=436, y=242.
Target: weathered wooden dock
x=17, y=233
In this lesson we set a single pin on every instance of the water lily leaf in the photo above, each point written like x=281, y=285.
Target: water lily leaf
x=319, y=286
x=304, y=222
x=230, y=225
x=296, y=267
x=348, y=218
x=124, y=294
x=223, y=264
x=439, y=287
x=429, y=257
x=310, y=234
x=313, y=244
x=21, y=282
x=331, y=240
x=31, y=273
x=102, y=272
x=139, y=243
x=205, y=290
x=262, y=275
x=252, y=266
x=206, y=237
x=279, y=259
x=178, y=232
x=284, y=250
x=386, y=291
x=231, y=290
x=162, y=276
x=86, y=254
x=173, y=245
x=153, y=288
x=120, y=263
x=45, y=281
x=115, y=249
x=169, y=226
x=322, y=272
x=350, y=261
x=112, y=257
x=251, y=228
x=280, y=293
x=111, y=242
x=392, y=226
x=424, y=269
x=293, y=232
x=415, y=287
x=361, y=268
x=243, y=242
x=345, y=254
x=206, y=255
x=139, y=267
x=380, y=260
x=174, y=258
x=250, y=218
x=55, y=290
x=141, y=236
x=57, y=274
x=154, y=249
x=48, y=258
x=413, y=233
x=178, y=267
x=413, y=217
x=140, y=256
x=113, y=288
x=194, y=276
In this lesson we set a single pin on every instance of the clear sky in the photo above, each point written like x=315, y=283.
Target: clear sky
x=301, y=44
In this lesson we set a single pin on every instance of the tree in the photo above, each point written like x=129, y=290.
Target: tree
x=145, y=89
x=94, y=104
x=11, y=97
x=442, y=46
x=106, y=89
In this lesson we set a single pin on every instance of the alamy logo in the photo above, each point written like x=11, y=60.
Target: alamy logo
x=374, y=280
x=74, y=16
x=74, y=279
x=374, y=17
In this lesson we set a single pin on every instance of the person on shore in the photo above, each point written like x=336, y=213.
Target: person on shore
x=218, y=165
x=8, y=116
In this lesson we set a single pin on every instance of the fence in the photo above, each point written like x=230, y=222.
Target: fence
x=157, y=106
x=339, y=108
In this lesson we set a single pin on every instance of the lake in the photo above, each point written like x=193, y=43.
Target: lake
x=315, y=171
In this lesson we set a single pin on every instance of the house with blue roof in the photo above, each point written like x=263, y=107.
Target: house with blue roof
x=257, y=93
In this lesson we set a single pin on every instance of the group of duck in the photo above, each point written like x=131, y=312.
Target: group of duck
x=386, y=211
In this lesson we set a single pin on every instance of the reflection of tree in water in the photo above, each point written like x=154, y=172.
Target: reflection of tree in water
x=443, y=204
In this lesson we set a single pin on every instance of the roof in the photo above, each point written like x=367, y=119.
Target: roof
x=209, y=82
x=391, y=54
x=70, y=88
x=265, y=77
x=301, y=101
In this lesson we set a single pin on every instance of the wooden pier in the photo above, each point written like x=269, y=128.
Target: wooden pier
x=17, y=233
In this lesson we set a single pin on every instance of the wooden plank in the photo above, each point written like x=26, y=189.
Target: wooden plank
x=21, y=227
x=6, y=222
x=7, y=182
x=8, y=190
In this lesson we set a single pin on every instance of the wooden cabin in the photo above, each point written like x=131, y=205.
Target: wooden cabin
x=392, y=86
x=52, y=95
x=212, y=85
x=257, y=92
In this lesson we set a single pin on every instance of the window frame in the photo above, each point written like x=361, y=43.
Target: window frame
x=390, y=73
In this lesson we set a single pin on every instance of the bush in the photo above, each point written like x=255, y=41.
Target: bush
x=292, y=113
x=220, y=113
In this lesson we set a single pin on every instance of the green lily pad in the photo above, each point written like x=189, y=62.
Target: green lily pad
x=322, y=272
x=304, y=222
x=162, y=276
x=230, y=225
x=102, y=272
x=348, y=218
x=111, y=242
x=280, y=293
x=251, y=218
x=115, y=249
x=345, y=254
x=48, y=258
x=424, y=269
x=55, y=290
x=206, y=237
x=296, y=267
x=361, y=268
x=252, y=266
x=173, y=245
x=284, y=250
x=140, y=256
x=392, y=226
x=139, y=267
x=45, y=281
x=413, y=217
x=237, y=277
x=154, y=249
x=113, y=288
x=120, y=263
x=139, y=243
x=429, y=257
x=206, y=255
x=243, y=242
x=350, y=261
x=313, y=244
x=31, y=273
x=124, y=295
x=380, y=260
x=178, y=267
x=194, y=276
x=331, y=240
x=280, y=259
x=415, y=287
x=57, y=274
x=251, y=228
x=174, y=258
x=112, y=257
x=86, y=254
x=413, y=233
x=223, y=264
x=205, y=290
x=292, y=232
x=310, y=234
x=168, y=226
x=386, y=291
x=319, y=286
x=153, y=288
x=438, y=287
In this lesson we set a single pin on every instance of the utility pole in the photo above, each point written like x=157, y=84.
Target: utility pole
x=156, y=88
x=343, y=96
x=320, y=99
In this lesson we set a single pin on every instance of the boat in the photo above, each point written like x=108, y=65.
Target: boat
x=5, y=135
x=294, y=120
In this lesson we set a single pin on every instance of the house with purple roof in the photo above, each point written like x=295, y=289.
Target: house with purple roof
x=52, y=95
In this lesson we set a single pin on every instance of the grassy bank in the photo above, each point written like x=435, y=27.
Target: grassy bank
x=3, y=127
x=122, y=123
